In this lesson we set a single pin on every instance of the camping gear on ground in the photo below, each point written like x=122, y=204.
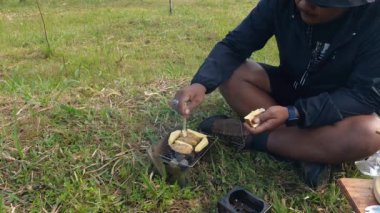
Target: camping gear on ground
x=174, y=165
x=239, y=200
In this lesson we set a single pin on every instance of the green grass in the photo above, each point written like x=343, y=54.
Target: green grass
x=75, y=122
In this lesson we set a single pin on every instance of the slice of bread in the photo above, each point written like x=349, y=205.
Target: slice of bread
x=193, y=141
x=249, y=119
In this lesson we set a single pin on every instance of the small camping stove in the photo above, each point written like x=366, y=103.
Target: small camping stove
x=169, y=156
x=174, y=165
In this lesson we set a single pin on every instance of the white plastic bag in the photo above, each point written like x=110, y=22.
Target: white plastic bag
x=370, y=166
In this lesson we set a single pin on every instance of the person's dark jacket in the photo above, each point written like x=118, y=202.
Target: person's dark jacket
x=344, y=83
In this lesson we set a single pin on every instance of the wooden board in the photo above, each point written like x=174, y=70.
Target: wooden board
x=359, y=192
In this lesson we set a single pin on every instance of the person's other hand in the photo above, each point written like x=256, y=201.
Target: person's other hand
x=188, y=98
x=270, y=119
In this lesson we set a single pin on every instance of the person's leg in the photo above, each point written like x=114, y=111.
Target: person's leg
x=350, y=139
x=347, y=140
x=248, y=89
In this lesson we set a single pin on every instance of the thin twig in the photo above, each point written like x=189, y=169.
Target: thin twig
x=43, y=22
x=171, y=7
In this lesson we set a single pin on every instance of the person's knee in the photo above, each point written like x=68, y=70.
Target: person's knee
x=369, y=134
x=249, y=72
x=363, y=133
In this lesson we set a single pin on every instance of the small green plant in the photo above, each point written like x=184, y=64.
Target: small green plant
x=2, y=206
x=15, y=136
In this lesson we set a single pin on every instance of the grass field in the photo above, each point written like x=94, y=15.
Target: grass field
x=76, y=118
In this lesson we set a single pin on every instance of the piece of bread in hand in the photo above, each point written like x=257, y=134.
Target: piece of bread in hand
x=249, y=119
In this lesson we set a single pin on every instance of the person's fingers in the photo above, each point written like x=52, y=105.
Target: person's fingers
x=183, y=104
x=249, y=128
x=178, y=102
x=263, y=117
x=194, y=103
x=253, y=130
x=256, y=120
x=264, y=126
x=190, y=106
x=187, y=99
x=173, y=103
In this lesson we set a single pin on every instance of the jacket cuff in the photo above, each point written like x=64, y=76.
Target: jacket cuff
x=317, y=111
x=196, y=80
x=301, y=118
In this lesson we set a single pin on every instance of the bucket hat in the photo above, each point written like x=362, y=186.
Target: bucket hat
x=341, y=3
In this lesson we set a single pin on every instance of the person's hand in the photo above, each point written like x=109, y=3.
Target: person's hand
x=272, y=118
x=188, y=98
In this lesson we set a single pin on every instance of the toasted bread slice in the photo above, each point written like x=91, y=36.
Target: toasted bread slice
x=173, y=136
x=182, y=147
x=193, y=141
x=201, y=145
x=249, y=119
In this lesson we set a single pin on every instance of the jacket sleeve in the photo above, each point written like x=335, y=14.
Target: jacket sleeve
x=237, y=46
x=361, y=96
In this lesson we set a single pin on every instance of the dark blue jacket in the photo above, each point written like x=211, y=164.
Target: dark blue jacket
x=344, y=82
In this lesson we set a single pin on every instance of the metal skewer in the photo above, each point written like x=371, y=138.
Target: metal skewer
x=184, y=128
